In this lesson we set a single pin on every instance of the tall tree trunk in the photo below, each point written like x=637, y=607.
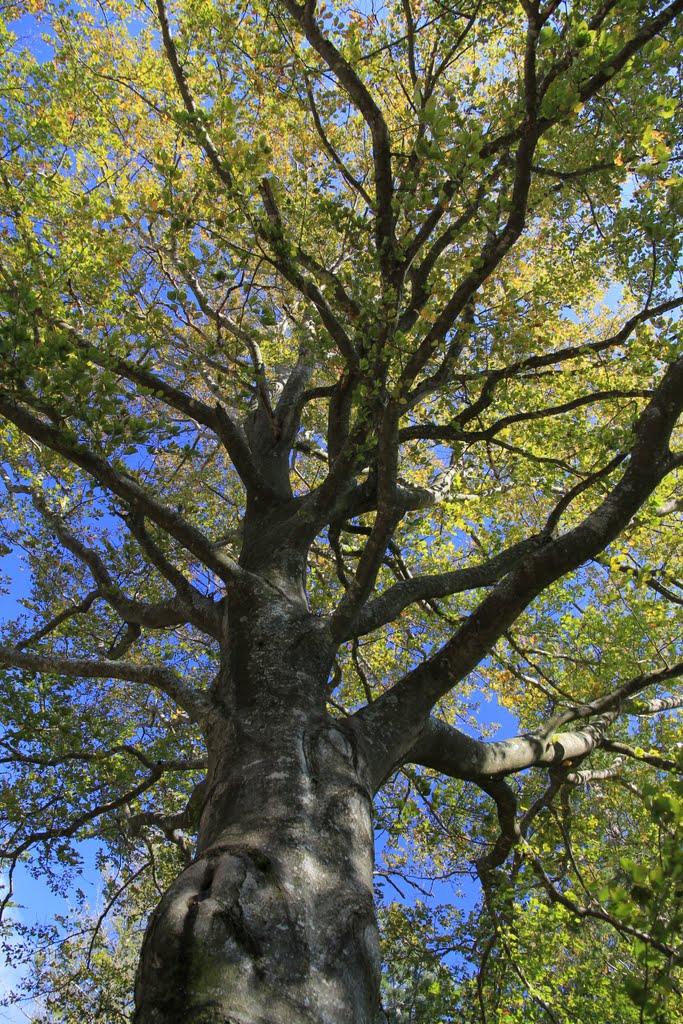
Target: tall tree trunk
x=274, y=922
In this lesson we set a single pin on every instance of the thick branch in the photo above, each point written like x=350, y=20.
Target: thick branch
x=386, y=520
x=655, y=707
x=393, y=722
x=391, y=603
x=451, y=752
x=162, y=679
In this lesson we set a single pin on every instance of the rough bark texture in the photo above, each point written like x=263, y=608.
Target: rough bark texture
x=274, y=921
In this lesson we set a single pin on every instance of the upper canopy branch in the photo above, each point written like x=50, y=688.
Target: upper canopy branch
x=385, y=239
x=525, y=136
x=284, y=261
x=497, y=246
x=356, y=185
x=591, y=86
x=198, y=126
x=419, y=275
x=269, y=232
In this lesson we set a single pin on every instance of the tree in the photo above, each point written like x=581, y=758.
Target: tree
x=342, y=378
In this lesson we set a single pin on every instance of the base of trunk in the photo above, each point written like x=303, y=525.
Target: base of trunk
x=274, y=923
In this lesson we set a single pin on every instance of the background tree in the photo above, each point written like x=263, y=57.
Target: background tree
x=342, y=380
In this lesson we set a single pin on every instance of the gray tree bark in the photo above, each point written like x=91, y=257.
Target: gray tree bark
x=274, y=921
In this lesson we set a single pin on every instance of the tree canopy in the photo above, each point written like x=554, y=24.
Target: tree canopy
x=358, y=322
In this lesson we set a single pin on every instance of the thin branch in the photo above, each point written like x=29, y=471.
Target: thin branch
x=663, y=764
x=201, y=610
x=172, y=765
x=385, y=240
x=594, y=911
x=196, y=121
x=77, y=823
x=336, y=159
x=454, y=432
x=80, y=608
x=159, y=615
x=216, y=419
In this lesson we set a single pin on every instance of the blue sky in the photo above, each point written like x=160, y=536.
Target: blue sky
x=36, y=901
